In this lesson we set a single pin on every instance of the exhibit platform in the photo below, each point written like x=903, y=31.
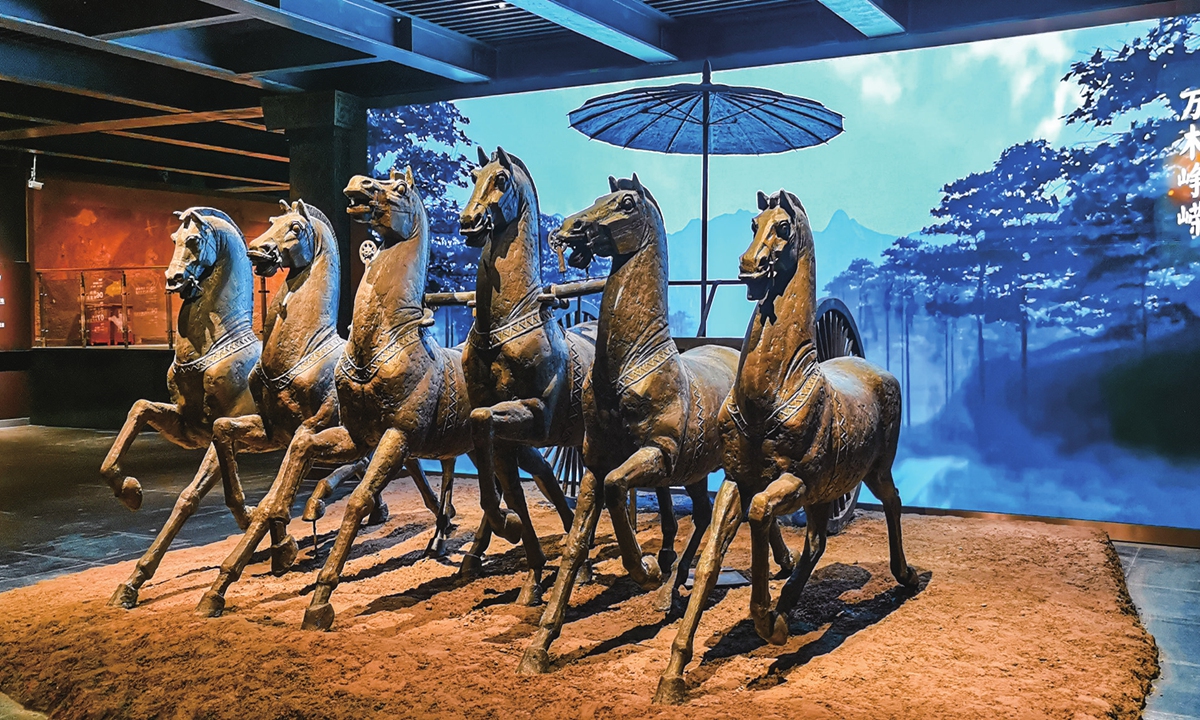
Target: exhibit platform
x=1012, y=619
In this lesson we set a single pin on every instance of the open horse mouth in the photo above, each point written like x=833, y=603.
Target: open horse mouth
x=185, y=286
x=477, y=231
x=361, y=207
x=266, y=262
x=756, y=283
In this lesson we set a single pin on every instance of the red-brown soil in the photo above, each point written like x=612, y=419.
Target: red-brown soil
x=1014, y=620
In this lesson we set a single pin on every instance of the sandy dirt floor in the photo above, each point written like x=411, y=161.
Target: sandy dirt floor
x=1013, y=620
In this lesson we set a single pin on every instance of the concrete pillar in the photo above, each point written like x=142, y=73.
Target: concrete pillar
x=16, y=313
x=327, y=144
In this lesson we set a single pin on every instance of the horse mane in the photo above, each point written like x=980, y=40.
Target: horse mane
x=315, y=212
x=521, y=164
x=208, y=212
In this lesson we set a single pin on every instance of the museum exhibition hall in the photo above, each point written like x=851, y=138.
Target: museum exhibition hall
x=595, y=359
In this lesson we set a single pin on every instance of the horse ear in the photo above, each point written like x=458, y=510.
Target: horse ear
x=503, y=157
x=785, y=202
x=180, y=213
x=637, y=185
x=283, y=204
x=392, y=174
x=763, y=201
x=302, y=208
x=408, y=176
x=483, y=158
x=612, y=184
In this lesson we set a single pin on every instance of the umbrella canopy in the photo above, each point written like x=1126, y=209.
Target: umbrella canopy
x=741, y=120
x=706, y=119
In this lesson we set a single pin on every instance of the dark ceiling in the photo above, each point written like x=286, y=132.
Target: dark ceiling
x=171, y=89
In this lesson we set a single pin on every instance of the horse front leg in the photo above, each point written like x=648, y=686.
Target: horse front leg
x=390, y=456
x=126, y=595
x=772, y=625
x=514, y=497
x=163, y=417
x=472, y=562
x=314, y=508
x=642, y=469
x=305, y=447
x=728, y=515
x=503, y=522
x=229, y=434
x=575, y=552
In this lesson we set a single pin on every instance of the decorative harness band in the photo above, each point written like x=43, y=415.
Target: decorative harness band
x=362, y=374
x=640, y=369
x=523, y=323
x=783, y=412
x=332, y=343
x=228, y=344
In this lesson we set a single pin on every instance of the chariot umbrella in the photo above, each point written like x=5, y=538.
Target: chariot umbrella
x=706, y=119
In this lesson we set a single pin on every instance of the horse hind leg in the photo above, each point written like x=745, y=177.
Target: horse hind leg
x=248, y=434
x=126, y=594
x=781, y=552
x=164, y=418
x=880, y=483
x=445, y=513
x=514, y=497
x=668, y=523
x=814, y=547
x=668, y=599
x=532, y=462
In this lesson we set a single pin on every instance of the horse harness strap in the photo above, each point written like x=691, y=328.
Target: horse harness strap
x=648, y=364
x=225, y=346
x=329, y=345
x=526, y=322
x=783, y=412
x=362, y=374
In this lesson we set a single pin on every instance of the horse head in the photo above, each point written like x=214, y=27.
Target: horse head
x=781, y=236
x=500, y=183
x=196, y=250
x=290, y=242
x=392, y=208
x=618, y=224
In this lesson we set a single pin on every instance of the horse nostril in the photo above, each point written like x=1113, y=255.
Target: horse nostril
x=174, y=278
x=578, y=224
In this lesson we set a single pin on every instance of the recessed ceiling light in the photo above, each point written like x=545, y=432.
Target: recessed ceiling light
x=501, y=5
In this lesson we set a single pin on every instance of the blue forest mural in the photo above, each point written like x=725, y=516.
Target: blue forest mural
x=1015, y=225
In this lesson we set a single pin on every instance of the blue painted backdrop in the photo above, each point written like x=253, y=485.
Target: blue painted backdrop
x=1013, y=223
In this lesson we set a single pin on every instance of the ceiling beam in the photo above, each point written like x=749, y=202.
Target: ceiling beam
x=132, y=123
x=870, y=17
x=169, y=27
x=26, y=17
x=630, y=26
x=264, y=184
x=377, y=30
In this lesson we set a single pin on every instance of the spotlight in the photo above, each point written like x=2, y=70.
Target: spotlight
x=33, y=183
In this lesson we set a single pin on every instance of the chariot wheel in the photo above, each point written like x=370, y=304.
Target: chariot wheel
x=837, y=336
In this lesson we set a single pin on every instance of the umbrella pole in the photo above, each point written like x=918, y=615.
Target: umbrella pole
x=704, y=299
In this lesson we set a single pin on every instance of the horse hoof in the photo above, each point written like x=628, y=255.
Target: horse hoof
x=211, y=605
x=242, y=517
x=379, y=515
x=531, y=593
x=909, y=578
x=664, y=599
x=314, y=510
x=470, y=568
x=131, y=493
x=126, y=597
x=318, y=617
x=436, y=548
x=284, y=555
x=653, y=573
x=666, y=560
x=535, y=662
x=671, y=691
x=772, y=627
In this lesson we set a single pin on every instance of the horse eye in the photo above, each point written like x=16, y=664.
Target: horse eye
x=502, y=182
x=784, y=229
x=627, y=202
x=296, y=228
x=192, y=242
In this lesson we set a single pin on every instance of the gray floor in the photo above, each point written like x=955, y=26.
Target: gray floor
x=1164, y=583
x=56, y=517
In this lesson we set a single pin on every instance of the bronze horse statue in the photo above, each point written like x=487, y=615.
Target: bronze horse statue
x=215, y=350
x=525, y=373
x=650, y=412
x=797, y=433
x=397, y=393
